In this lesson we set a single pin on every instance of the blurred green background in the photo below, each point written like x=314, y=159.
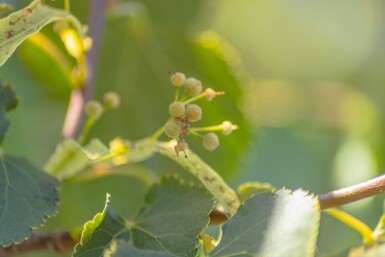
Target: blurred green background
x=305, y=81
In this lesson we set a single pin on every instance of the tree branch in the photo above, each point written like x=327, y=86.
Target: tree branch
x=60, y=242
x=74, y=119
x=353, y=193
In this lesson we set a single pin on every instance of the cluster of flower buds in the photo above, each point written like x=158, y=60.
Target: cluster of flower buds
x=94, y=109
x=184, y=112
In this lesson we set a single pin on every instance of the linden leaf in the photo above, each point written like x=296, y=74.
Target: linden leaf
x=98, y=234
x=276, y=224
x=123, y=249
x=166, y=224
x=374, y=251
x=27, y=197
x=19, y=25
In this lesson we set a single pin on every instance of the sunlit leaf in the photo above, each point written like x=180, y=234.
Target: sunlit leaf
x=276, y=224
x=249, y=189
x=100, y=232
x=27, y=197
x=71, y=158
x=40, y=54
x=18, y=26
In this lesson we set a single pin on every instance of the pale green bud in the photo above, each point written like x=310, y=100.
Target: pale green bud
x=172, y=129
x=193, y=87
x=93, y=109
x=176, y=109
x=177, y=79
x=193, y=112
x=111, y=100
x=210, y=141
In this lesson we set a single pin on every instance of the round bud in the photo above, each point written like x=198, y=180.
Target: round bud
x=181, y=146
x=111, y=100
x=176, y=109
x=193, y=112
x=193, y=87
x=177, y=79
x=210, y=94
x=228, y=127
x=172, y=129
x=210, y=141
x=93, y=109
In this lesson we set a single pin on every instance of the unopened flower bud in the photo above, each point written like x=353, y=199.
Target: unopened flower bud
x=172, y=129
x=193, y=87
x=177, y=79
x=228, y=127
x=176, y=109
x=193, y=112
x=210, y=141
x=181, y=146
x=210, y=94
x=93, y=109
x=111, y=100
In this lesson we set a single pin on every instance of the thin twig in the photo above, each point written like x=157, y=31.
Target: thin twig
x=60, y=242
x=353, y=193
x=75, y=116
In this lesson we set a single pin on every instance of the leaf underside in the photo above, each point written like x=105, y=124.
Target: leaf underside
x=27, y=197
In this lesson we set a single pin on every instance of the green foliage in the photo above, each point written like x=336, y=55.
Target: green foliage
x=375, y=251
x=27, y=197
x=5, y=9
x=165, y=223
x=124, y=249
x=276, y=224
x=18, y=26
x=8, y=101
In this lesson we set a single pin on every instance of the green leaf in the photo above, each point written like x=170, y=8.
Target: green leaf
x=207, y=175
x=124, y=249
x=100, y=232
x=39, y=53
x=374, y=251
x=144, y=54
x=248, y=189
x=174, y=216
x=166, y=224
x=27, y=197
x=8, y=101
x=70, y=158
x=5, y=9
x=19, y=25
x=276, y=224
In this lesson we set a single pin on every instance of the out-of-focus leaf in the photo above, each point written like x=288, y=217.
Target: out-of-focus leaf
x=276, y=224
x=8, y=101
x=124, y=249
x=5, y=9
x=374, y=251
x=27, y=197
x=71, y=158
x=18, y=26
x=142, y=61
x=165, y=224
x=40, y=54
